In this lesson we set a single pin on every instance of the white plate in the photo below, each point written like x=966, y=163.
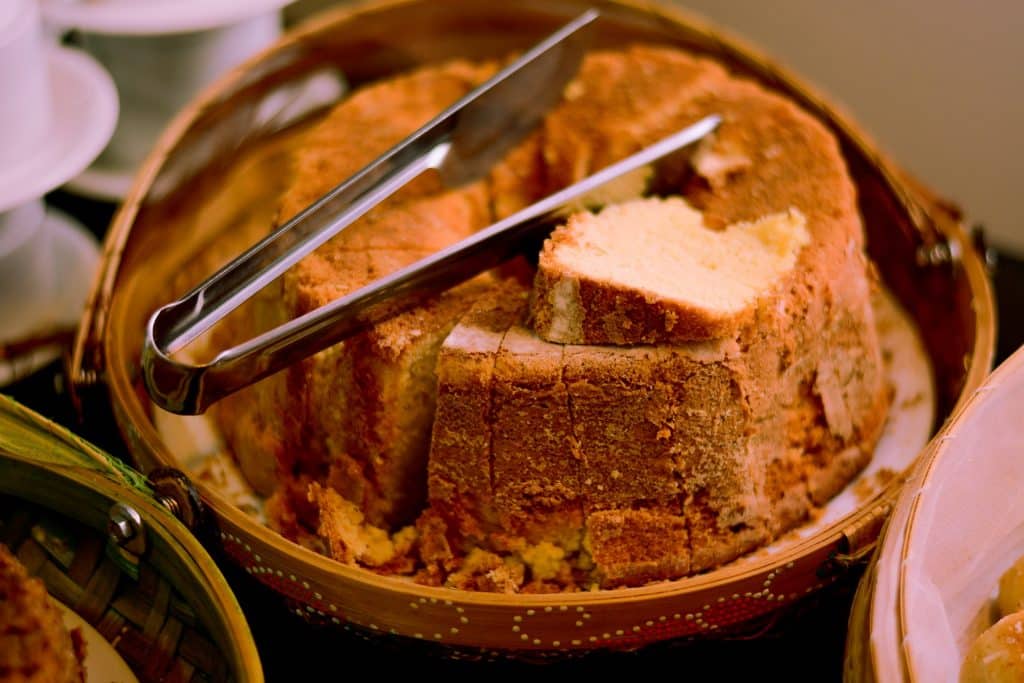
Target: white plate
x=84, y=113
x=102, y=663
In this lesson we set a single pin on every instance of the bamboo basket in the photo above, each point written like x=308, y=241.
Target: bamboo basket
x=226, y=139
x=930, y=588
x=158, y=597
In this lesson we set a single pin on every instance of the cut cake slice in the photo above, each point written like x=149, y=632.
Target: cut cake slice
x=648, y=271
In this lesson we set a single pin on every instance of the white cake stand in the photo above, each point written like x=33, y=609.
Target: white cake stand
x=60, y=113
x=161, y=53
x=73, y=258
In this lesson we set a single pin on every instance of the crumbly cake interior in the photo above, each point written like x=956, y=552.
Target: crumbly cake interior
x=607, y=426
x=659, y=253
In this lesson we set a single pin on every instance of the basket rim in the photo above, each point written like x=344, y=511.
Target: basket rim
x=93, y=335
x=161, y=523
x=928, y=467
x=869, y=581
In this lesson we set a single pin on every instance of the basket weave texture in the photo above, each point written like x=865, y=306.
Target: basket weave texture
x=146, y=620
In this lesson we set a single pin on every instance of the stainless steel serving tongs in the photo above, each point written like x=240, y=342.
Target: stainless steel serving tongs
x=462, y=143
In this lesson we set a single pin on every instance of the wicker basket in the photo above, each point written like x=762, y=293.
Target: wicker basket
x=156, y=596
x=224, y=140
x=928, y=592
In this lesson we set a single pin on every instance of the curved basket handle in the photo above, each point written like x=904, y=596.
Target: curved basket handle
x=26, y=435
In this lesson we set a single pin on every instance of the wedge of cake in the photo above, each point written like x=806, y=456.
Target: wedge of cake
x=724, y=375
x=357, y=416
x=632, y=464
x=649, y=271
x=639, y=463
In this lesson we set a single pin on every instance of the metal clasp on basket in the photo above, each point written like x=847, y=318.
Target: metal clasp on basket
x=127, y=538
x=858, y=541
x=175, y=491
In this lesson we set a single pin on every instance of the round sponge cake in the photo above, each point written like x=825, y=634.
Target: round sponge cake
x=606, y=426
x=659, y=419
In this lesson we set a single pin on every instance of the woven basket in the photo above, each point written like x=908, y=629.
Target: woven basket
x=158, y=598
x=930, y=588
x=222, y=140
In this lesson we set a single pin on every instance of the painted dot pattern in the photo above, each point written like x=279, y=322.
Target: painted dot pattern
x=559, y=628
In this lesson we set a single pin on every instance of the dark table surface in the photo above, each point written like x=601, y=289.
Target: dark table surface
x=806, y=643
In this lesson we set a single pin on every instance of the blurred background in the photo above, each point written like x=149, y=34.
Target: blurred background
x=937, y=84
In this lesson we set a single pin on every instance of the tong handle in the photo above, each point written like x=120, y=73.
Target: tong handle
x=269, y=258
x=462, y=143
x=191, y=389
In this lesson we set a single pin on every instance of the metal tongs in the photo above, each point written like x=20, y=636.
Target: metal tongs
x=462, y=143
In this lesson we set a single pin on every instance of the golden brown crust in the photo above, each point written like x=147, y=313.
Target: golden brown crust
x=459, y=469
x=997, y=655
x=633, y=547
x=35, y=646
x=709, y=435
x=534, y=461
x=357, y=416
x=372, y=120
x=620, y=102
x=558, y=466
x=791, y=162
x=734, y=440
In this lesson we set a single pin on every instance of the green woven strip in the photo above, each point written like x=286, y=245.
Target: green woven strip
x=27, y=435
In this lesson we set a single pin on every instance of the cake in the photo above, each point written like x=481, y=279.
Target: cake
x=632, y=463
x=35, y=646
x=359, y=413
x=651, y=272
x=585, y=425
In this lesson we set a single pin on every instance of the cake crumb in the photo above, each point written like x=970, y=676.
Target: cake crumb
x=868, y=486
